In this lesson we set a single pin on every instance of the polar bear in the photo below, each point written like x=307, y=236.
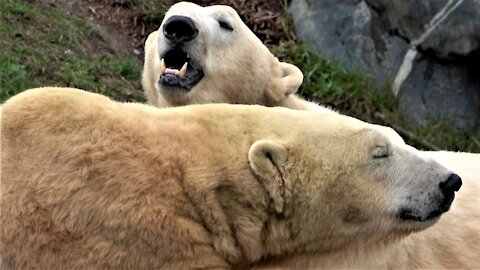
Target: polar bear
x=89, y=183
x=208, y=55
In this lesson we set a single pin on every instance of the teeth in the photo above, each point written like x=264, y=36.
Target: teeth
x=183, y=70
x=180, y=73
x=163, y=67
x=172, y=71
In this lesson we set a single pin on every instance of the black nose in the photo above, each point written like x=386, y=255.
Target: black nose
x=180, y=29
x=453, y=183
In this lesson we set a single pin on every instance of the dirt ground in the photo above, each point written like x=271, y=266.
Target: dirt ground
x=127, y=24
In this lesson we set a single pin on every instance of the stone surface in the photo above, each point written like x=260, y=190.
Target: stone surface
x=350, y=33
x=372, y=37
x=447, y=90
x=458, y=35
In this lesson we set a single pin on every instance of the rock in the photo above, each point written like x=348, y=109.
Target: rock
x=459, y=35
x=347, y=31
x=446, y=90
x=373, y=36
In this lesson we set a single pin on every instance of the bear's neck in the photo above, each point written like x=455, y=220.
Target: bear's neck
x=375, y=255
x=229, y=201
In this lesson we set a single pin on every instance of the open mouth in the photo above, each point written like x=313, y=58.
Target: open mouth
x=178, y=72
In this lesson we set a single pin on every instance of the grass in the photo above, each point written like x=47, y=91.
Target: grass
x=41, y=46
x=154, y=10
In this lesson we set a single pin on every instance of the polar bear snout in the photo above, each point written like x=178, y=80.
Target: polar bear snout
x=180, y=29
x=179, y=68
x=430, y=205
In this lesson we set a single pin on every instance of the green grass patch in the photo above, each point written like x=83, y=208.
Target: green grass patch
x=44, y=47
x=353, y=94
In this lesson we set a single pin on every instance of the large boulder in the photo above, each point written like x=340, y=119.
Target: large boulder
x=373, y=36
x=458, y=35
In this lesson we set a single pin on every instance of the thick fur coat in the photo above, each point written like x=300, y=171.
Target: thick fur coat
x=90, y=183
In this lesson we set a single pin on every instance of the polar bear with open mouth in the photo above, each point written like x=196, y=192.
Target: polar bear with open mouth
x=208, y=55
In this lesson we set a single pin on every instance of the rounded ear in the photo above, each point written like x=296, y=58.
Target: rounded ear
x=286, y=82
x=292, y=77
x=267, y=160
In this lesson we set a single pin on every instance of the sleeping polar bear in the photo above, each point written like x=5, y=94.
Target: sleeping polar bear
x=236, y=70
x=208, y=55
x=88, y=183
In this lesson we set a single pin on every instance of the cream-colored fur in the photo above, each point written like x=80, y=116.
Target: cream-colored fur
x=89, y=183
x=237, y=67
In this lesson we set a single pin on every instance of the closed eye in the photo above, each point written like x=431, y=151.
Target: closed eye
x=225, y=25
x=381, y=152
x=385, y=155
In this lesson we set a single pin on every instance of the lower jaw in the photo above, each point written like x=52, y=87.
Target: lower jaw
x=175, y=96
x=418, y=226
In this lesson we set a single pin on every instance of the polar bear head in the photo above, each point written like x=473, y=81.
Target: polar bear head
x=208, y=55
x=337, y=186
